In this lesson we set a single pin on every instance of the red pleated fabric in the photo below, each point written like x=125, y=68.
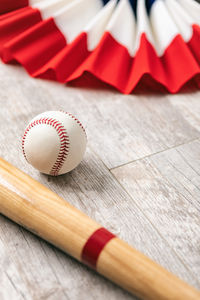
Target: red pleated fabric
x=40, y=46
x=10, y=5
x=14, y=23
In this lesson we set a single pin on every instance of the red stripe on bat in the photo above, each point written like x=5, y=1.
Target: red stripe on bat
x=95, y=245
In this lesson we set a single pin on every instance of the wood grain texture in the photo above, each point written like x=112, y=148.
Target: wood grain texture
x=35, y=207
x=124, y=128
x=120, y=129
x=166, y=185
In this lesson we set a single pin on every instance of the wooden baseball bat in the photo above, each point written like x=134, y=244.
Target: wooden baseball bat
x=43, y=212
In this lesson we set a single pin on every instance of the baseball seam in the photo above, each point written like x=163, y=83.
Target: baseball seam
x=64, y=142
x=77, y=121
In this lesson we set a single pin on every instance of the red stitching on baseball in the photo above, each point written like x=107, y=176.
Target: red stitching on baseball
x=64, y=142
x=77, y=121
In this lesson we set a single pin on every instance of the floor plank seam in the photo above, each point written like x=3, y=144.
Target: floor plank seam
x=155, y=153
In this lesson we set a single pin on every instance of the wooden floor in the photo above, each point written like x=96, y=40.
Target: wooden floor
x=140, y=178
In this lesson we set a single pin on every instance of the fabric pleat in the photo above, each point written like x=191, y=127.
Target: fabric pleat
x=122, y=43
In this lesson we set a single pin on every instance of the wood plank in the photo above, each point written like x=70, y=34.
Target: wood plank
x=46, y=271
x=166, y=187
x=120, y=128
x=126, y=128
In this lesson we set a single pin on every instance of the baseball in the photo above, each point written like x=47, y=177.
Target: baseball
x=54, y=142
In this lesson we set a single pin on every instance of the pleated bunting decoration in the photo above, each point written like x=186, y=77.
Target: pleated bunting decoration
x=122, y=43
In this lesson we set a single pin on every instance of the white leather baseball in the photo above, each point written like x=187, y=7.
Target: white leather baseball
x=54, y=142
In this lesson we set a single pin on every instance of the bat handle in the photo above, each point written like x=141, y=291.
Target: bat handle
x=141, y=276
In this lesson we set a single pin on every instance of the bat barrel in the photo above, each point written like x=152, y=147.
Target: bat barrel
x=43, y=212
